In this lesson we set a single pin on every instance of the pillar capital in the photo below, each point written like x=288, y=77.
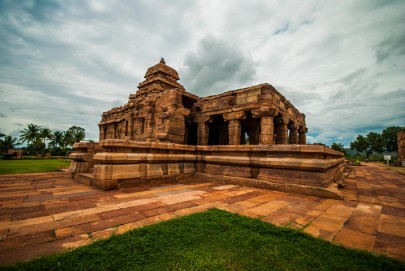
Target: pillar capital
x=201, y=119
x=283, y=119
x=237, y=115
x=293, y=126
x=263, y=111
x=303, y=129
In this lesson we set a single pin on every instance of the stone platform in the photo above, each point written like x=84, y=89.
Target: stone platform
x=47, y=213
x=306, y=169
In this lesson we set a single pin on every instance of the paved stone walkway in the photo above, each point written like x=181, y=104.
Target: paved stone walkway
x=47, y=213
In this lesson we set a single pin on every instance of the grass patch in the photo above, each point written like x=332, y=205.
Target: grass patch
x=32, y=166
x=213, y=240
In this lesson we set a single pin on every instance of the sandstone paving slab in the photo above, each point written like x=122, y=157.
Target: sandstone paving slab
x=355, y=239
x=390, y=245
x=21, y=231
x=242, y=197
x=363, y=223
x=97, y=225
x=281, y=218
x=133, y=209
x=45, y=212
x=103, y=234
x=394, y=225
x=29, y=239
x=225, y=187
x=95, y=210
x=29, y=252
x=266, y=208
x=369, y=209
x=99, y=215
x=387, y=210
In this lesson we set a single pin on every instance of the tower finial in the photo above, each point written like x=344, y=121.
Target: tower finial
x=162, y=60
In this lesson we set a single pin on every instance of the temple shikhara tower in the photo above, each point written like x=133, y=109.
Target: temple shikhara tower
x=249, y=136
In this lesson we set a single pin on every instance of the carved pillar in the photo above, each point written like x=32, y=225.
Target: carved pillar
x=293, y=138
x=302, y=137
x=234, y=129
x=266, y=115
x=267, y=130
x=202, y=133
x=282, y=130
x=234, y=126
x=115, y=130
x=101, y=132
x=131, y=126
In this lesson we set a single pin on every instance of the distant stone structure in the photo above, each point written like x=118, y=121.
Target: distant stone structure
x=401, y=148
x=16, y=153
x=251, y=136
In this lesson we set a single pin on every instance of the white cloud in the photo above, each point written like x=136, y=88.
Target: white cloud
x=341, y=63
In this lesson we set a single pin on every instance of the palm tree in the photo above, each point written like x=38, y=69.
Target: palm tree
x=46, y=134
x=56, y=139
x=67, y=139
x=7, y=143
x=31, y=134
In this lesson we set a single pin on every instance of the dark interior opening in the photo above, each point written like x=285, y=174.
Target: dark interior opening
x=190, y=136
x=250, y=130
x=218, y=131
x=187, y=102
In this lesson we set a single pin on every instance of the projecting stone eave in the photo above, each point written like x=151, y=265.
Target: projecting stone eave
x=161, y=80
x=240, y=90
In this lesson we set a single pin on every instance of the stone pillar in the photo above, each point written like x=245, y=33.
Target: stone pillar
x=102, y=132
x=302, y=138
x=267, y=130
x=115, y=130
x=234, y=130
x=131, y=127
x=282, y=130
x=234, y=126
x=202, y=133
x=293, y=138
x=266, y=115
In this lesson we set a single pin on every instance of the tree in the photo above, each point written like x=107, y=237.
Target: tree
x=67, y=139
x=389, y=136
x=338, y=147
x=45, y=134
x=56, y=139
x=31, y=134
x=373, y=142
x=78, y=134
x=7, y=143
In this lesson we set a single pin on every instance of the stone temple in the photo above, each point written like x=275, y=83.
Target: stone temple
x=251, y=136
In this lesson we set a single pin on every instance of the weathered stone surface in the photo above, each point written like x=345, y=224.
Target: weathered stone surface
x=247, y=136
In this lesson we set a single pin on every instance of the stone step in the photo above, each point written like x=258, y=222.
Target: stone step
x=85, y=178
x=403, y=163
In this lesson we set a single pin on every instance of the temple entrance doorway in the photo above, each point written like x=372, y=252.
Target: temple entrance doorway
x=218, y=131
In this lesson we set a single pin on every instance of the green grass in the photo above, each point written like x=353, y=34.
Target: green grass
x=213, y=240
x=32, y=166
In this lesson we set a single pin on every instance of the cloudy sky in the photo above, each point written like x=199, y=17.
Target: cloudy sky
x=342, y=63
